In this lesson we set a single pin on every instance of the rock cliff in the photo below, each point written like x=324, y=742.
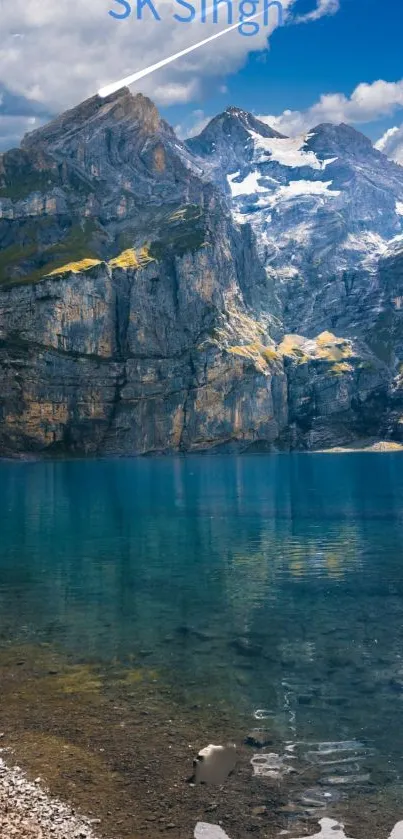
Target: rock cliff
x=138, y=315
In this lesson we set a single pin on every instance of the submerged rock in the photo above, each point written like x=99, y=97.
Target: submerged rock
x=258, y=738
x=319, y=798
x=245, y=647
x=269, y=765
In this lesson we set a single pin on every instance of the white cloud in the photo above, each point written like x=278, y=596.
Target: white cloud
x=65, y=52
x=367, y=102
x=193, y=124
x=391, y=143
x=324, y=7
x=386, y=138
x=178, y=92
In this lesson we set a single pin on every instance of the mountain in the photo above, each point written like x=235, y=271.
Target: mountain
x=240, y=291
x=122, y=279
x=227, y=141
x=324, y=208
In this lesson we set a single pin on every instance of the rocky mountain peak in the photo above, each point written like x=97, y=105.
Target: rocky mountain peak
x=146, y=112
x=111, y=144
x=228, y=141
x=110, y=166
x=127, y=290
x=250, y=122
x=341, y=139
x=119, y=108
x=233, y=126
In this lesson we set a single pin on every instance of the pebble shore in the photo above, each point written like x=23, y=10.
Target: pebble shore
x=28, y=812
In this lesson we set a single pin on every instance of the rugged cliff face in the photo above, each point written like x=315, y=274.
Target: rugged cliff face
x=326, y=210
x=136, y=315
x=124, y=288
x=120, y=358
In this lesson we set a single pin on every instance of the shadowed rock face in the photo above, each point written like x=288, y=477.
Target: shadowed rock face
x=136, y=316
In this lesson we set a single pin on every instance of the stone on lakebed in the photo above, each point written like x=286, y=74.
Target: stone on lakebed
x=214, y=763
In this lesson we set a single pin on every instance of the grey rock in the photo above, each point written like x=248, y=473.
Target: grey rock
x=203, y=830
x=138, y=315
x=258, y=738
x=213, y=764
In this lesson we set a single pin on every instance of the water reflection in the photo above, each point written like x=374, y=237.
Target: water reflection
x=272, y=582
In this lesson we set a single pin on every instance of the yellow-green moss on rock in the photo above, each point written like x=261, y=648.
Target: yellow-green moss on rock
x=75, y=267
x=131, y=258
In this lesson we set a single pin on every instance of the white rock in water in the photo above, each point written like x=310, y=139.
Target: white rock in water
x=330, y=829
x=203, y=830
x=214, y=763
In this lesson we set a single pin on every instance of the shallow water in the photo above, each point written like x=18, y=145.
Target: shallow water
x=271, y=585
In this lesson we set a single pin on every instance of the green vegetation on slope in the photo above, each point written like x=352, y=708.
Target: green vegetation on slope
x=182, y=231
x=21, y=176
x=28, y=263
x=30, y=259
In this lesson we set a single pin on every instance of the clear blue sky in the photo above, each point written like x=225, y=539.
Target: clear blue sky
x=361, y=43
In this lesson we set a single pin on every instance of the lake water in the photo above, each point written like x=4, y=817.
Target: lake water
x=223, y=593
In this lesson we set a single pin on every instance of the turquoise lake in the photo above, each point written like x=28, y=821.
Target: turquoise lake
x=273, y=584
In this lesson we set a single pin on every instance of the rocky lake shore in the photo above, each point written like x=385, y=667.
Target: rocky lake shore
x=27, y=811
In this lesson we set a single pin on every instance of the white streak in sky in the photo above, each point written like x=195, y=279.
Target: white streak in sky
x=135, y=77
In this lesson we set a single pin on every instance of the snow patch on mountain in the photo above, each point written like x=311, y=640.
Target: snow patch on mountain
x=326, y=209
x=249, y=185
x=296, y=189
x=288, y=151
x=394, y=246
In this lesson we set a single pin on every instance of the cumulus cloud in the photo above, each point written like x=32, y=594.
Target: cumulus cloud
x=324, y=7
x=391, y=144
x=60, y=53
x=193, y=125
x=178, y=92
x=367, y=102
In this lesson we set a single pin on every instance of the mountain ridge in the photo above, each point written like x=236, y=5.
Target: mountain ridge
x=237, y=291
